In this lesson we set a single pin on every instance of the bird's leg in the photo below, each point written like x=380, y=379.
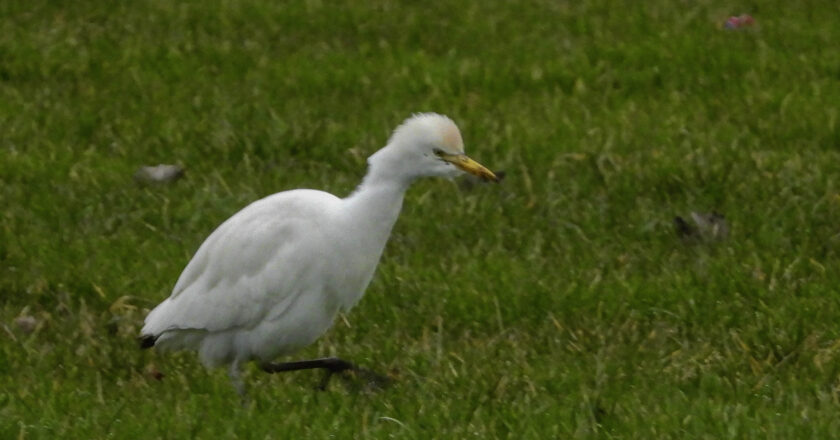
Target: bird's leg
x=235, y=375
x=329, y=365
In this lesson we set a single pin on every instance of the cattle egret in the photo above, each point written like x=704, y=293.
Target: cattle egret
x=272, y=278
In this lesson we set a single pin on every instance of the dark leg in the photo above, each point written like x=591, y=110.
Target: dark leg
x=330, y=366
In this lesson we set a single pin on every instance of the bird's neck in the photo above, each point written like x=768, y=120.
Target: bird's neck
x=378, y=200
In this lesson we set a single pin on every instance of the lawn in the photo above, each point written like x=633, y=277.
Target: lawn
x=558, y=304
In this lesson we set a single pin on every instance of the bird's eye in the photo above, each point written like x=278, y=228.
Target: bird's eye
x=438, y=152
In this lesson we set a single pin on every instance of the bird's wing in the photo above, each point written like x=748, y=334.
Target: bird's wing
x=253, y=265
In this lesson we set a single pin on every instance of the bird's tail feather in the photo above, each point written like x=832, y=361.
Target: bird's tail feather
x=147, y=341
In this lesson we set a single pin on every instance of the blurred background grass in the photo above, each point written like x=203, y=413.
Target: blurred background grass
x=558, y=304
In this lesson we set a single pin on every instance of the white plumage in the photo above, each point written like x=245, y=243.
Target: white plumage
x=271, y=279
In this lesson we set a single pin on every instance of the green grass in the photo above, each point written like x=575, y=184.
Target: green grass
x=559, y=304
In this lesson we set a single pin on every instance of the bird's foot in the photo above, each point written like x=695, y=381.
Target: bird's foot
x=365, y=380
x=354, y=377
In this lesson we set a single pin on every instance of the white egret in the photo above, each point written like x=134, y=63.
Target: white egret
x=272, y=278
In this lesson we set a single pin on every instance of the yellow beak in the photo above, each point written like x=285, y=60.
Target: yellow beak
x=466, y=164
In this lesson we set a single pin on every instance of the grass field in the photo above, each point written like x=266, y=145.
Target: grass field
x=559, y=304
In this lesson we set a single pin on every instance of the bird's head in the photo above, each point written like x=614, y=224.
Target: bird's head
x=428, y=144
